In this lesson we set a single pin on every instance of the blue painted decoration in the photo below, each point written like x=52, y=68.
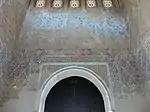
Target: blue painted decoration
x=106, y=26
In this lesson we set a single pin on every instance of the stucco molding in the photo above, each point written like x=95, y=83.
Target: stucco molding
x=80, y=72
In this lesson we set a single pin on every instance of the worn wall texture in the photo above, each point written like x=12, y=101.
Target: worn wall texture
x=11, y=18
x=24, y=49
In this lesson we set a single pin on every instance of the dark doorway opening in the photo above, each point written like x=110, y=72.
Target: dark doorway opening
x=74, y=94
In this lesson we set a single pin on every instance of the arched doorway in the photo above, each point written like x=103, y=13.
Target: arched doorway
x=75, y=71
x=74, y=94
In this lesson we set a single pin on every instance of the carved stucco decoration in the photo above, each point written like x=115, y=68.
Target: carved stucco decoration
x=12, y=14
x=40, y=3
x=74, y=3
x=107, y=3
x=91, y=3
x=107, y=26
x=57, y=3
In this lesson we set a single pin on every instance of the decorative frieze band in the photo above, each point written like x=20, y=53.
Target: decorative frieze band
x=74, y=3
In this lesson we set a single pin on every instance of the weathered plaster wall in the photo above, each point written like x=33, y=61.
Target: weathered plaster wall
x=127, y=68
x=144, y=23
x=12, y=14
x=144, y=38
